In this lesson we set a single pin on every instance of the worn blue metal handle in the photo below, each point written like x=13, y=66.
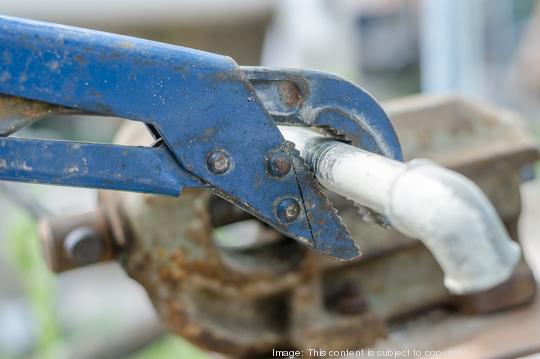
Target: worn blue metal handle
x=93, y=165
x=198, y=102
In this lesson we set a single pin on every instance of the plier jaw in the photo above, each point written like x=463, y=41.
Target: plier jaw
x=216, y=124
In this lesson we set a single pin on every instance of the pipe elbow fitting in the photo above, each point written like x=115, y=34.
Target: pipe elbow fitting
x=456, y=222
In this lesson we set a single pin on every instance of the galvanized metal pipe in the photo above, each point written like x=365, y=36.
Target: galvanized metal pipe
x=423, y=200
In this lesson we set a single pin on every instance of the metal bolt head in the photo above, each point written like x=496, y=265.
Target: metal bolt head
x=83, y=246
x=279, y=164
x=218, y=162
x=349, y=300
x=288, y=209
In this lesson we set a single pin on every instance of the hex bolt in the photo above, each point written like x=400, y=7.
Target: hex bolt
x=349, y=300
x=75, y=241
x=288, y=209
x=279, y=164
x=83, y=246
x=218, y=162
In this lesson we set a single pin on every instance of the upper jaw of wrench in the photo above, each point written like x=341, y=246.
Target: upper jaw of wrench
x=318, y=99
x=330, y=103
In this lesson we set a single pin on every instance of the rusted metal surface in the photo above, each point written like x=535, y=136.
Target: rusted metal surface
x=279, y=294
x=16, y=113
x=442, y=333
x=186, y=276
x=348, y=299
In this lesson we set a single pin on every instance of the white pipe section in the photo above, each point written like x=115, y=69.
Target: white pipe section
x=422, y=200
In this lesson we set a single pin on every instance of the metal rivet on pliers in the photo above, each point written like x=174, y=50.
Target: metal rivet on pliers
x=288, y=209
x=218, y=161
x=278, y=164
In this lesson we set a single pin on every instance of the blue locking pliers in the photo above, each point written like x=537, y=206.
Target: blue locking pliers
x=215, y=123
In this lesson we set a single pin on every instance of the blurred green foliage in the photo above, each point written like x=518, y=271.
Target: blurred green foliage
x=25, y=254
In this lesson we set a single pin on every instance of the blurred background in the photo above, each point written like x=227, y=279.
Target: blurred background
x=485, y=50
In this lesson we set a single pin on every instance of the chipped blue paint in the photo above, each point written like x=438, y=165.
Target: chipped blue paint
x=92, y=165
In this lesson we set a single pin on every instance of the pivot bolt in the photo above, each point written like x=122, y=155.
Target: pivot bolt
x=288, y=209
x=218, y=162
x=279, y=164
